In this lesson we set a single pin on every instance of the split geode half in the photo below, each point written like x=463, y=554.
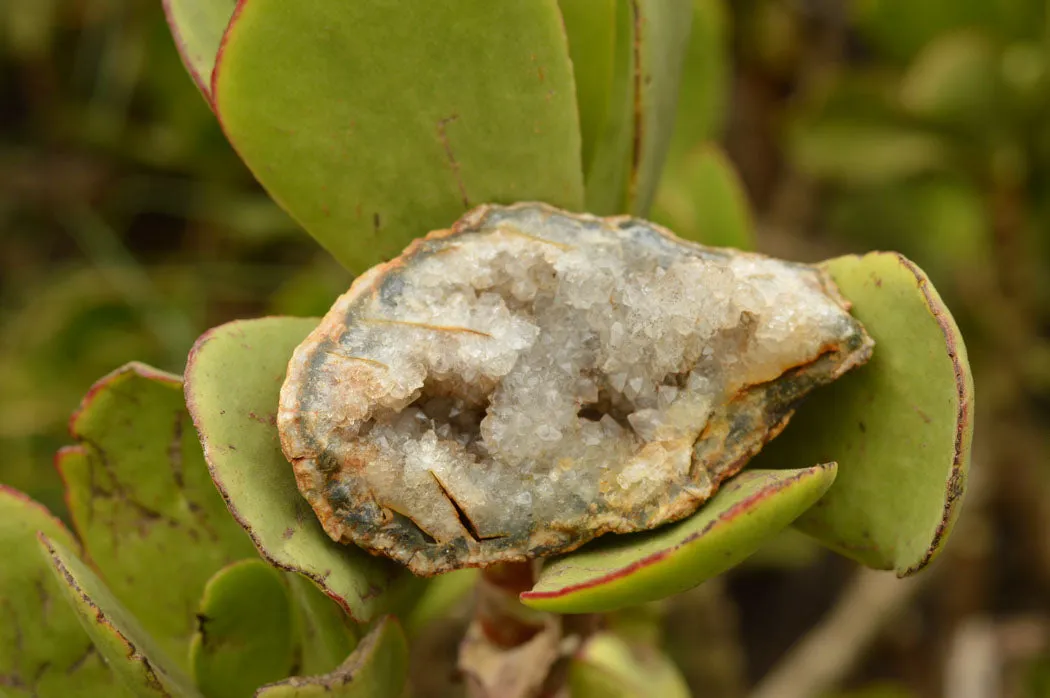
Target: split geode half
x=531, y=379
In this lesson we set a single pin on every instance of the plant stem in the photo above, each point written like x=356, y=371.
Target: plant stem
x=512, y=651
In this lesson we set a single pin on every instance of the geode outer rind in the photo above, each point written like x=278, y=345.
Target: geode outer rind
x=531, y=379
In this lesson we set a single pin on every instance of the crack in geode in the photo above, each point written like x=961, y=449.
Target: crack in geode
x=531, y=379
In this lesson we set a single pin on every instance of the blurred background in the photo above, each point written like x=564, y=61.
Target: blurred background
x=128, y=227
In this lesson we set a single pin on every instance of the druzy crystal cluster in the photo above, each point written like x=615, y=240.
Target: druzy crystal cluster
x=531, y=379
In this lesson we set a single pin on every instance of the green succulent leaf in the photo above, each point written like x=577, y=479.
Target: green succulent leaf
x=619, y=571
x=591, y=27
x=441, y=597
x=628, y=57
x=244, y=631
x=900, y=426
x=601, y=43
x=610, y=667
x=197, y=27
x=130, y=651
x=325, y=633
x=701, y=198
x=376, y=669
x=44, y=651
x=703, y=92
x=376, y=121
x=140, y=497
x=233, y=380
x=662, y=38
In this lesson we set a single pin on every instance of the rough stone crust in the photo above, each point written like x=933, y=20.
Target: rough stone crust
x=327, y=431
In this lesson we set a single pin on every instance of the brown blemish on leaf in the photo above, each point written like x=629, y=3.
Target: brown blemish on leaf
x=638, y=111
x=442, y=130
x=269, y=420
x=97, y=456
x=202, y=622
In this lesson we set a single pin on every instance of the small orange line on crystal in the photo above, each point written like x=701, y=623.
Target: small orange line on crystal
x=363, y=359
x=545, y=241
x=425, y=326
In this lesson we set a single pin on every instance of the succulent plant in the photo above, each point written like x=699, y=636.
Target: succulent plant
x=198, y=564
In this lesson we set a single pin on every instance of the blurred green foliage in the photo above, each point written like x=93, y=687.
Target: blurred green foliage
x=128, y=224
x=931, y=135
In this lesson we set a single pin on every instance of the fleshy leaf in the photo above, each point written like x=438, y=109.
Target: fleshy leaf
x=140, y=497
x=376, y=669
x=374, y=122
x=44, y=651
x=628, y=58
x=244, y=636
x=591, y=26
x=443, y=594
x=130, y=651
x=601, y=43
x=900, y=426
x=703, y=92
x=326, y=634
x=197, y=27
x=233, y=378
x=619, y=571
x=662, y=37
x=701, y=198
x=610, y=667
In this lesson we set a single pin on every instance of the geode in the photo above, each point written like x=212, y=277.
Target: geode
x=531, y=379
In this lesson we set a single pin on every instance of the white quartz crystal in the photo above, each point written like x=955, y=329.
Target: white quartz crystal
x=534, y=366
